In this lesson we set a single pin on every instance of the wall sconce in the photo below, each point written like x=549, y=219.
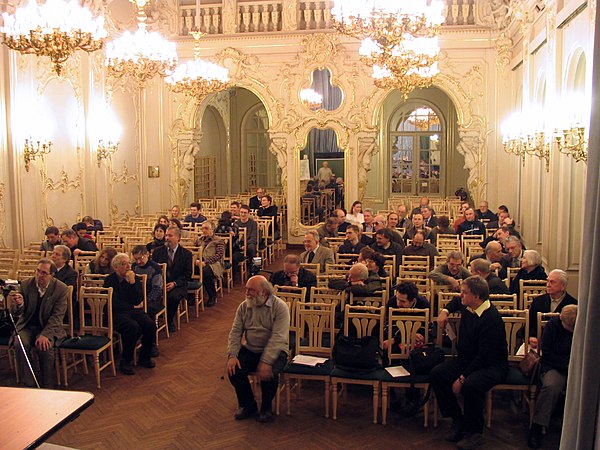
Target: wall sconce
x=32, y=150
x=572, y=143
x=532, y=144
x=311, y=99
x=106, y=150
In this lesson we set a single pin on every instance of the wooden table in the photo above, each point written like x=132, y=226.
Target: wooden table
x=30, y=416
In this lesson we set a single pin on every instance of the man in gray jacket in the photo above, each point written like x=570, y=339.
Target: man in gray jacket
x=262, y=321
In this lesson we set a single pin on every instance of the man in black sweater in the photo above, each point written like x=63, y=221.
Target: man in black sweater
x=482, y=362
x=129, y=321
x=294, y=275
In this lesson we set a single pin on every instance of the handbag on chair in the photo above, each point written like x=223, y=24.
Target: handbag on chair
x=530, y=365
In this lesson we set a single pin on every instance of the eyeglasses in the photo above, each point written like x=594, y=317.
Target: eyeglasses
x=377, y=223
x=43, y=272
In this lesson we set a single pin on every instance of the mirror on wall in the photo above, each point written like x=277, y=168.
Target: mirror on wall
x=322, y=166
x=331, y=96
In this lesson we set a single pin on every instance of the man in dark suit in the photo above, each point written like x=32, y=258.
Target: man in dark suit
x=39, y=308
x=77, y=244
x=254, y=202
x=554, y=300
x=315, y=253
x=179, y=271
x=293, y=274
x=64, y=272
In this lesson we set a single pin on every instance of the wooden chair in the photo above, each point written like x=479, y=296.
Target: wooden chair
x=363, y=321
x=537, y=287
x=452, y=327
x=542, y=320
x=195, y=287
x=26, y=268
x=504, y=301
x=315, y=268
x=243, y=264
x=377, y=299
x=160, y=318
x=96, y=334
x=8, y=266
x=413, y=271
x=468, y=241
x=315, y=330
x=324, y=279
x=511, y=273
x=415, y=261
x=516, y=324
x=337, y=269
x=407, y=322
x=292, y=296
x=93, y=280
x=227, y=261
x=345, y=258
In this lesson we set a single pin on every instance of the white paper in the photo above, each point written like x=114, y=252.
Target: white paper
x=450, y=332
x=521, y=351
x=306, y=360
x=397, y=371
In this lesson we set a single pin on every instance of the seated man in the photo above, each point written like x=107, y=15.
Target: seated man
x=213, y=251
x=451, y=272
x=403, y=219
x=92, y=224
x=143, y=265
x=327, y=230
x=195, y=216
x=255, y=201
x=471, y=226
x=384, y=245
x=52, y=238
x=352, y=243
x=179, y=271
x=268, y=209
x=77, y=244
x=499, y=235
x=554, y=300
x=380, y=222
x=340, y=215
x=442, y=228
x=417, y=224
x=556, y=354
x=64, y=272
x=368, y=225
x=484, y=212
x=39, y=307
x=129, y=321
x=251, y=228
x=514, y=248
x=262, y=323
x=498, y=260
x=358, y=281
x=315, y=253
x=234, y=208
x=482, y=267
x=463, y=207
x=82, y=231
x=418, y=247
x=429, y=220
x=482, y=363
x=293, y=274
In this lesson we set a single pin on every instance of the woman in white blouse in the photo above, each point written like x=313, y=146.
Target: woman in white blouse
x=355, y=216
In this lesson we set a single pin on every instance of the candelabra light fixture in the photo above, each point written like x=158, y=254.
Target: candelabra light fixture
x=33, y=149
x=55, y=29
x=572, y=142
x=399, y=39
x=105, y=150
x=141, y=55
x=311, y=99
x=521, y=139
x=198, y=78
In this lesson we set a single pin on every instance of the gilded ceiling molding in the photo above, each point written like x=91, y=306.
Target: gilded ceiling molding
x=2, y=215
x=163, y=16
x=503, y=51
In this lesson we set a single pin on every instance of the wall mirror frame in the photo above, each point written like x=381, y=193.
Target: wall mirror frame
x=323, y=81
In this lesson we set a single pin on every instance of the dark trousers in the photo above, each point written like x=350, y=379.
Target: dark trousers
x=46, y=359
x=131, y=325
x=208, y=279
x=474, y=389
x=236, y=259
x=249, y=362
x=174, y=297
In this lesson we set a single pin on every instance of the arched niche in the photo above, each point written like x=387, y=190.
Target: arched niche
x=322, y=82
x=322, y=162
x=212, y=147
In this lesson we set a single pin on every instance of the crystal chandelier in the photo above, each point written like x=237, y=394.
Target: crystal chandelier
x=399, y=38
x=55, y=29
x=198, y=78
x=141, y=55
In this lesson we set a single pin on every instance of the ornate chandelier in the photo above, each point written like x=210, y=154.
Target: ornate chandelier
x=141, y=55
x=198, y=78
x=55, y=29
x=399, y=39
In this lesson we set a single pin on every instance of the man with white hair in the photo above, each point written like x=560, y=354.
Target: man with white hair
x=514, y=249
x=316, y=253
x=262, y=323
x=554, y=300
x=358, y=281
x=128, y=320
x=483, y=268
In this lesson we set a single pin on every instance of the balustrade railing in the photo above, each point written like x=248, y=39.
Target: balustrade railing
x=269, y=16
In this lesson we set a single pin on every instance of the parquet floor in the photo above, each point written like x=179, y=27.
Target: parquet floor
x=184, y=404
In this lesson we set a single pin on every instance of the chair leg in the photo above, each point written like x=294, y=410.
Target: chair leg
x=111, y=355
x=375, y=402
x=327, y=395
x=335, y=399
x=384, y=404
x=288, y=394
x=64, y=367
x=426, y=412
x=489, y=409
x=97, y=369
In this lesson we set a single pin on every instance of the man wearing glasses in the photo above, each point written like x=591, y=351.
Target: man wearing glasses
x=38, y=308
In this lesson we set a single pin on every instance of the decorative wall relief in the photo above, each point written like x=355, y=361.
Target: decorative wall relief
x=367, y=147
x=503, y=50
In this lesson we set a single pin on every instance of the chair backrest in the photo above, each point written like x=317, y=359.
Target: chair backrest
x=243, y=240
x=228, y=242
x=362, y=321
x=8, y=266
x=93, y=279
x=323, y=279
x=411, y=271
x=345, y=258
x=391, y=259
x=291, y=295
x=511, y=272
x=423, y=284
x=504, y=301
x=443, y=298
x=95, y=311
x=144, y=304
x=337, y=269
x=537, y=287
x=414, y=260
x=407, y=322
x=320, y=294
x=164, y=282
x=314, y=321
x=516, y=325
x=26, y=267
x=335, y=243
x=468, y=241
x=542, y=320
x=68, y=319
x=315, y=268
x=376, y=299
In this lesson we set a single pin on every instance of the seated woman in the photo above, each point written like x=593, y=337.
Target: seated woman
x=102, y=264
x=355, y=216
x=267, y=209
x=531, y=269
x=177, y=223
x=163, y=220
x=158, y=235
x=374, y=262
x=556, y=353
